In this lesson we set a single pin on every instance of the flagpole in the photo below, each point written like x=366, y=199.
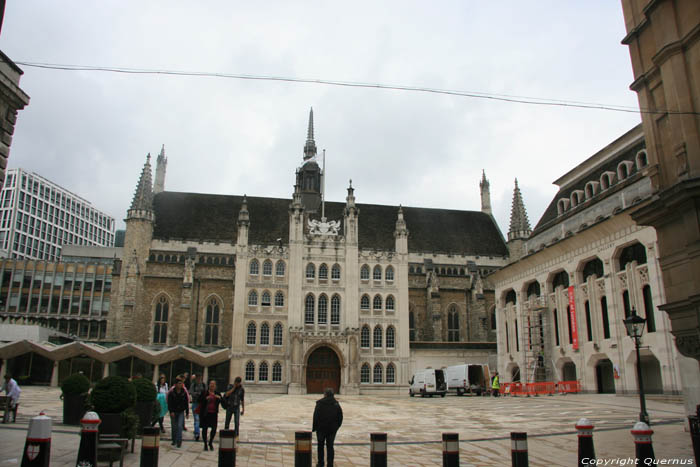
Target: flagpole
x=323, y=189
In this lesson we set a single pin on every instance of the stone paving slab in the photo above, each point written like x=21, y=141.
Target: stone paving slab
x=414, y=427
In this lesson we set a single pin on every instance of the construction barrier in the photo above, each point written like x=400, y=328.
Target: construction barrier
x=541, y=389
x=564, y=387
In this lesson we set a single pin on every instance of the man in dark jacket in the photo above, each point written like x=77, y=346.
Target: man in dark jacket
x=328, y=416
x=178, y=406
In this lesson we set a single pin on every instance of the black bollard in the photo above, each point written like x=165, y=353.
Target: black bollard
x=150, y=445
x=37, y=447
x=302, y=449
x=694, y=425
x=227, y=448
x=377, y=449
x=518, y=448
x=643, y=449
x=450, y=450
x=87, y=452
x=586, y=452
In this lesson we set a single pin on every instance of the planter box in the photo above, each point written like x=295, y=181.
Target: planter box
x=111, y=423
x=73, y=408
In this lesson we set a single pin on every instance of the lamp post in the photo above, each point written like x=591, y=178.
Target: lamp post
x=635, y=328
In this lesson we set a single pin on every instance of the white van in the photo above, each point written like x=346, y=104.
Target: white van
x=468, y=379
x=428, y=382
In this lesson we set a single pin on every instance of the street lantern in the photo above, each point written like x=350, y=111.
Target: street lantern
x=635, y=327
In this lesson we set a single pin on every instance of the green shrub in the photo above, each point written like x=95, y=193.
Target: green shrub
x=145, y=390
x=113, y=394
x=75, y=384
x=130, y=423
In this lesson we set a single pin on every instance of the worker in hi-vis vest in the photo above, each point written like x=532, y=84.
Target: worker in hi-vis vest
x=495, y=385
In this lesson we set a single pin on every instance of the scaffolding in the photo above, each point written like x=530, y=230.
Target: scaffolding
x=535, y=334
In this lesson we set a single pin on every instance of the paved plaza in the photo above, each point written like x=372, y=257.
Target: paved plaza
x=414, y=427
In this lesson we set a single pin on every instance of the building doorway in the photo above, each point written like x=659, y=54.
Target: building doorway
x=568, y=371
x=651, y=374
x=322, y=371
x=604, y=376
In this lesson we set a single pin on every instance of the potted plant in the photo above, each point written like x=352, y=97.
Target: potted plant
x=74, y=390
x=109, y=398
x=145, y=398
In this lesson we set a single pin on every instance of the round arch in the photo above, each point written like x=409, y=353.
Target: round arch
x=323, y=367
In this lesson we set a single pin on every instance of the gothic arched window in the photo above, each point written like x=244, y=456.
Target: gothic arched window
x=378, y=373
x=265, y=300
x=377, y=302
x=254, y=267
x=277, y=372
x=390, y=337
x=390, y=303
x=364, y=337
x=253, y=298
x=389, y=274
x=335, y=309
x=322, y=309
x=378, y=337
x=279, y=299
x=251, y=334
x=335, y=272
x=364, y=302
x=377, y=273
x=279, y=268
x=262, y=372
x=265, y=334
x=364, y=272
x=323, y=272
x=160, y=321
x=390, y=374
x=453, y=324
x=309, y=309
x=267, y=268
x=277, y=337
x=364, y=373
x=310, y=271
x=211, y=323
x=250, y=371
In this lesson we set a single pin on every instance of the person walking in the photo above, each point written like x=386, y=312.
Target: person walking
x=197, y=389
x=13, y=391
x=179, y=408
x=495, y=385
x=209, y=402
x=235, y=404
x=161, y=397
x=328, y=416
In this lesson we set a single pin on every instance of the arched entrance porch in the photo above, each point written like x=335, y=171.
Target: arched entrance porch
x=605, y=377
x=322, y=371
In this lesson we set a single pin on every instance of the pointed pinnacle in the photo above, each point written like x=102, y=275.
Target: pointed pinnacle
x=310, y=131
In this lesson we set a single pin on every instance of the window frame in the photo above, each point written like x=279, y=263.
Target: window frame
x=251, y=333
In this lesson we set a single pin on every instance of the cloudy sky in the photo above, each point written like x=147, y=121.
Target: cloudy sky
x=90, y=131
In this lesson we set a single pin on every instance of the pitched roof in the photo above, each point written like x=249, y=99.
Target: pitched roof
x=551, y=216
x=195, y=216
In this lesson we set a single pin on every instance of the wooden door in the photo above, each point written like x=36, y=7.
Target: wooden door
x=322, y=371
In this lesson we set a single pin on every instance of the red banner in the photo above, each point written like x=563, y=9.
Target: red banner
x=572, y=314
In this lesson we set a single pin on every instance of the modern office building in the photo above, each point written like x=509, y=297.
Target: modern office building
x=38, y=217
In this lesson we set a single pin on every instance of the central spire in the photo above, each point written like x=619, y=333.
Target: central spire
x=310, y=146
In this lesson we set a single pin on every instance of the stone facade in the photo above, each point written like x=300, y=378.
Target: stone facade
x=587, y=266
x=664, y=42
x=301, y=281
x=12, y=100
